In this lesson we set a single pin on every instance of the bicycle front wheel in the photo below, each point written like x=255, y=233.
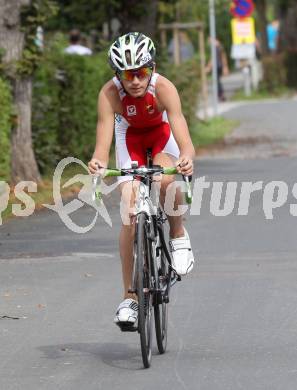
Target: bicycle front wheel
x=161, y=306
x=143, y=256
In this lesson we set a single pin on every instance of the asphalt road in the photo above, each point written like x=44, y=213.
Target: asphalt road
x=267, y=129
x=232, y=321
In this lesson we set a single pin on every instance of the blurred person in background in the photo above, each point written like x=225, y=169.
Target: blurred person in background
x=273, y=35
x=75, y=46
x=222, y=67
x=185, y=46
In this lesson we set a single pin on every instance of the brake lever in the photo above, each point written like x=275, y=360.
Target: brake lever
x=96, y=192
x=188, y=180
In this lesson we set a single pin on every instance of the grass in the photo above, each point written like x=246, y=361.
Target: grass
x=263, y=94
x=44, y=194
x=211, y=131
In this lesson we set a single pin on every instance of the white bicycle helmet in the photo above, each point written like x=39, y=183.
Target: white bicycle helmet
x=131, y=51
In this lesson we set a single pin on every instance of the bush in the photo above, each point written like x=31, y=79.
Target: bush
x=65, y=106
x=274, y=73
x=291, y=65
x=5, y=126
x=186, y=78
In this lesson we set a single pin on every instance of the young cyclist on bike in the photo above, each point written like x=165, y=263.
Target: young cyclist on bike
x=144, y=109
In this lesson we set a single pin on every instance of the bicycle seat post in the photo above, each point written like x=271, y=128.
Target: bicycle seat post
x=149, y=163
x=149, y=157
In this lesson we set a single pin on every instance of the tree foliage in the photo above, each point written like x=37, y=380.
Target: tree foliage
x=90, y=15
x=84, y=14
x=5, y=125
x=65, y=105
x=32, y=16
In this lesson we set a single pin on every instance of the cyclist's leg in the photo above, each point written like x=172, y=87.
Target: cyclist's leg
x=126, y=138
x=167, y=185
x=180, y=245
x=165, y=153
x=127, y=233
x=127, y=312
x=182, y=255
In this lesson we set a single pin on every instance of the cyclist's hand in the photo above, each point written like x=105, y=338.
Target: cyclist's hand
x=184, y=165
x=95, y=167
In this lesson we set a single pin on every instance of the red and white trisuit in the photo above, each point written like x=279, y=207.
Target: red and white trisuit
x=141, y=126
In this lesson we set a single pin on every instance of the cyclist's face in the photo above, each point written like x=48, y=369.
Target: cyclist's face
x=136, y=82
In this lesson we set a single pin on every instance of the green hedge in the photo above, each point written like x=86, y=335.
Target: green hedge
x=291, y=65
x=279, y=70
x=65, y=106
x=186, y=78
x=274, y=73
x=5, y=126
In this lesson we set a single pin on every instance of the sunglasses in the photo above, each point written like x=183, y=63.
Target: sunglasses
x=141, y=73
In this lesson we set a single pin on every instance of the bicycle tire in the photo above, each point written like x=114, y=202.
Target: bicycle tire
x=161, y=307
x=142, y=251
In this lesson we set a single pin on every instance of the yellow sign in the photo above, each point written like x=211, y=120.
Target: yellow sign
x=243, y=31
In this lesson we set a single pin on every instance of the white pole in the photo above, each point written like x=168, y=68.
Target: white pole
x=212, y=23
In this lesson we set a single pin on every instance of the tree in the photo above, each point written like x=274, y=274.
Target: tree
x=261, y=8
x=18, y=23
x=289, y=40
x=135, y=15
x=12, y=40
x=139, y=16
x=288, y=16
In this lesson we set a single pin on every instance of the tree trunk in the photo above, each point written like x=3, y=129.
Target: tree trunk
x=290, y=38
x=12, y=40
x=290, y=28
x=138, y=16
x=24, y=165
x=150, y=26
x=261, y=10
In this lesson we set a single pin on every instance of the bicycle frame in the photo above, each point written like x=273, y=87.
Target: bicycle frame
x=155, y=220
x=143, y=200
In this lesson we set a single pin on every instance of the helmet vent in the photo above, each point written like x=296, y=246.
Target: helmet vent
x=117, y=52
x=128, y=57
x=140, y=48
x=118, y=62
x=140, y=38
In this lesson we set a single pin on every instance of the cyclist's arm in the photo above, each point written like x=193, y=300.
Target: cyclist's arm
x=105, y=126
x=169, y=99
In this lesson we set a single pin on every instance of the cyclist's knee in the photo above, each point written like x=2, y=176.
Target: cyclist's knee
x=166, y=184
x=166, y=181
x=128, y=230
x=127, y=203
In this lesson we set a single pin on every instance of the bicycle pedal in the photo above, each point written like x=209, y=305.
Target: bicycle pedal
x=127, y=327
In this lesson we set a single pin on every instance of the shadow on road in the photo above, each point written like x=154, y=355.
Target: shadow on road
x=117, y=355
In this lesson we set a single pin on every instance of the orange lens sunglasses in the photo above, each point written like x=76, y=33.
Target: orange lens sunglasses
x=141, y=73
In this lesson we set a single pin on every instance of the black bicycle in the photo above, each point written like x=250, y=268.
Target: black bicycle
x=153, y=275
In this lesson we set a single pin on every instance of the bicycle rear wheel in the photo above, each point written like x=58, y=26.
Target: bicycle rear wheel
x=161, y=306
x=143, y=256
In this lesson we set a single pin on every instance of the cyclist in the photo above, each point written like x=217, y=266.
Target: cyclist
x=145, y=110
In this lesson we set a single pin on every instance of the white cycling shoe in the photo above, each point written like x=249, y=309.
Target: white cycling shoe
x=182, y=254
x=127, y=313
